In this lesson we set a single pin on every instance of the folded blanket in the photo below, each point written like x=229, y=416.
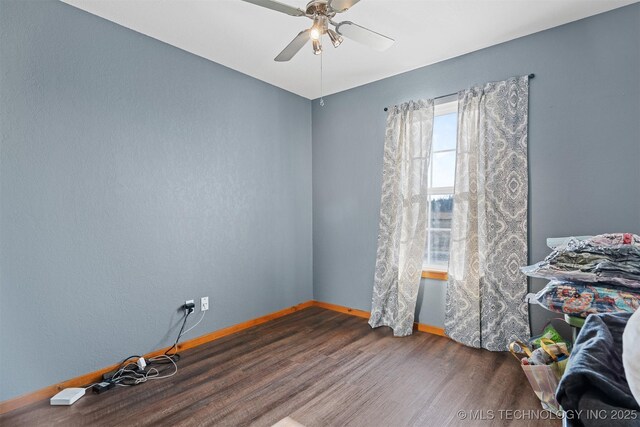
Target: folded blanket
x=582, y=299
x=607, y=258
x=595, y=373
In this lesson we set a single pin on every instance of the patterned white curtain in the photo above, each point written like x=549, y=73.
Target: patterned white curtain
x=484, y=303
x=403, y=216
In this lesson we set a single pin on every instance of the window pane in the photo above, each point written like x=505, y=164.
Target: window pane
x=425, y=257
x=443, y=169
x=436, y=253
x=441, y=211
x=444, y=132
x=439, y=247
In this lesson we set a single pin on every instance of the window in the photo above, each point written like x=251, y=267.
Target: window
x=442, y=174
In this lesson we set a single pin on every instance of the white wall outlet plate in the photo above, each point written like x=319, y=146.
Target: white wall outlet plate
x=67, y=397
x=190, y=301
x=204, y=303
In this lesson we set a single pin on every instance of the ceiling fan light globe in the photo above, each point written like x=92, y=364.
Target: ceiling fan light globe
x=318, y=27
x=317, y=47
x=315, y=33
x=336, y=38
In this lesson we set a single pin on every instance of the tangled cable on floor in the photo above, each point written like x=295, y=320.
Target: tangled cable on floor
x=129, y=373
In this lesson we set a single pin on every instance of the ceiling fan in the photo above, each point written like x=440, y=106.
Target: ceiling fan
x=322, y=13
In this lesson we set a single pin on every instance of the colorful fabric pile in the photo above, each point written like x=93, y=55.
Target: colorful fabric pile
x=598, y=275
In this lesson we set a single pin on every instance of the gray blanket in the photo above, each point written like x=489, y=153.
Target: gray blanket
x=594, y=390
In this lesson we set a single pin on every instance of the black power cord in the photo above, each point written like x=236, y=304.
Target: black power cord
x=175, y=356
x=122, y=364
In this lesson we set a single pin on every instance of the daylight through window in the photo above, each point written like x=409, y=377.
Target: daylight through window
x=442, y=174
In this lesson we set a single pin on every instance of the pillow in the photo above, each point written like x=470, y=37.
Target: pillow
x=631, y=354
x=582, y=299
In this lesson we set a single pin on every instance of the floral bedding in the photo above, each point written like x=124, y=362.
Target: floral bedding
x=582, y=299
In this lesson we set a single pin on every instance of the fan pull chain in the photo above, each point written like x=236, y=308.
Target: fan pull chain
x=321, y=90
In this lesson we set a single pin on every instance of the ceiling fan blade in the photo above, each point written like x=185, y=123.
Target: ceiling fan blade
x=293, y=47
x=277, y=6
x=363, y=35
x=342, y=5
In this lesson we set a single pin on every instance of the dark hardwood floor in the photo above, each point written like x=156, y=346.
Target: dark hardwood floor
x=321, y=368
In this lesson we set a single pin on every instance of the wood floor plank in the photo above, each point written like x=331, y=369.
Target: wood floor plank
x=320, y=368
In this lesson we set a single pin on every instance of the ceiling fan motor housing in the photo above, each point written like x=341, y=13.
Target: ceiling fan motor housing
x=320, y=7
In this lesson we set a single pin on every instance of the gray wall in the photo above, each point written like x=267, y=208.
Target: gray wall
x=134, y=176
x=584, y=149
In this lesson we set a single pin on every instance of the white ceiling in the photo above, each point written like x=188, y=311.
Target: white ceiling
x=246, y=37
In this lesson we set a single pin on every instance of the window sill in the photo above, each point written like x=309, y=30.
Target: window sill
x=435, y=274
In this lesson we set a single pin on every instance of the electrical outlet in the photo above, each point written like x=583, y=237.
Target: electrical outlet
x=204, y=303
x=189, y=303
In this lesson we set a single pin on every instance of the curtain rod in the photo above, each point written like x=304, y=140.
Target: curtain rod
x=451, y=94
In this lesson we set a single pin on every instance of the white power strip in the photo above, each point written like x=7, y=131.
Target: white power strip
x=67, y=397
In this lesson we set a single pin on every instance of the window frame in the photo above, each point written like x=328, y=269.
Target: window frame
x=446, y=106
